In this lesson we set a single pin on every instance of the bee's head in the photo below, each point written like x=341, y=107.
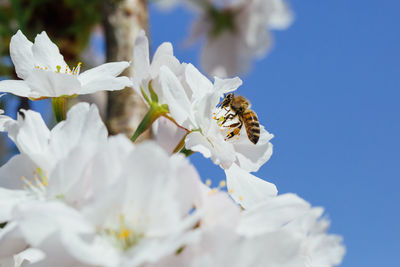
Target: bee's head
x=227, y=100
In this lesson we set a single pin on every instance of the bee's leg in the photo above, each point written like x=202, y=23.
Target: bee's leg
x=233, y=125
x=228, y=117
x=227, y=111
x=235, y=131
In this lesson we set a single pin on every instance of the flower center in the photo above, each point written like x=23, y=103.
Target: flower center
x=223, y=20
x=39, y=184
x=67, y=70
x=228, y=126
x=123, y=236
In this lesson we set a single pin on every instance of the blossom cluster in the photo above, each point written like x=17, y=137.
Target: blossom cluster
x=74, y=196
x=234, y=31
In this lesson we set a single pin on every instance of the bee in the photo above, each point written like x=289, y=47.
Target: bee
x=240, y=107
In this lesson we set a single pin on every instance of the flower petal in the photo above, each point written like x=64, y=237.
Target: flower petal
x=198, y=83
x=48, y=83
x=175, y=95
x=272, y=215
x=17, y=167
x=141, y=60
x=251, y=157
x=108, y=83
x=107, y=70
x=247, y=189
x=31, y=136
x=21, y=55
x=15, y=87
x=167, y=134
x=46, y=53
x=220, y=152
x=11, y=240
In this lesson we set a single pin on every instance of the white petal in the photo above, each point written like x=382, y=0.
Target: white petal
x=108, y=70
x=106, y=84
x=19, y=88
x=11, y=240
x=141, y=59
x=38, y=220
x=224, y=86
x=21, y=54
x=46, y=53
x=251, y=157
x=281, y=17
x=48, y=83
x=165, y=49
x=198, y=83
x=175, y=96
x=272, y=215
x=17, y=167
x=247, y=189
x=8, y=199
x=167, y=134
x=221, y=152
x=31, y=255
x=31, y=136
x=197, y=142
x=226, y=56
x=83, y=126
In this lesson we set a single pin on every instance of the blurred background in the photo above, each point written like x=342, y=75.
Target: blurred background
x=328, y=91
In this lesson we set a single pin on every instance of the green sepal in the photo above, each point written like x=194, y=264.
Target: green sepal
x=153, y=95
x=152, y=114
x=59, y=108
x=145, y=95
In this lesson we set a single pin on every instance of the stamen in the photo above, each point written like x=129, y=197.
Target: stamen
x=208, y=182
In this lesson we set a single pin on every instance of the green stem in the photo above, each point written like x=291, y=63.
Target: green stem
x=154, y=113
x=59, y=108
x=180, y=145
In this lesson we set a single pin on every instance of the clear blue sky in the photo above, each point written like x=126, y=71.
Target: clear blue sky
x=329, y=91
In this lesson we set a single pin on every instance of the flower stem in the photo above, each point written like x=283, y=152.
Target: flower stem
x=59, y=108
x=180, y=145
x=154, y=113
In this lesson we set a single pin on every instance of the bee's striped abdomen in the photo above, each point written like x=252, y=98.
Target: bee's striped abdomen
x=252, y=125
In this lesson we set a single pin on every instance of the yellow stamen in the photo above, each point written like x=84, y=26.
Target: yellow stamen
x=222, y=184
x=208, y=182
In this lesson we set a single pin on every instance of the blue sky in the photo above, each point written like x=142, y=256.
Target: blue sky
x=329, y=91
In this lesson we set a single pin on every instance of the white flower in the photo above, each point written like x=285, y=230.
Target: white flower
x=44, y=72
x=49, y=162
x=236, y=32
x=140, y=212
x=144, y=71
x=192, y=101
x=264, y=214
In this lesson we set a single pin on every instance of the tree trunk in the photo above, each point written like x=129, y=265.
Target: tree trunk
x=123, y=19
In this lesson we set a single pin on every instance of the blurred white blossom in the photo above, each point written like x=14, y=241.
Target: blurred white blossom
x=44, y=72
x=235, y=32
